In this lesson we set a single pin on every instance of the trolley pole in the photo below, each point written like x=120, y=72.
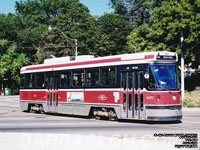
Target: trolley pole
x=50, y=28
x=182, y=70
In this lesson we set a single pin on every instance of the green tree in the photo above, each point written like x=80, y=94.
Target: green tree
x=120, y=7
x=11, y=63
x=4, y=44
x=70, y=16
x=166, y=24
x=111, y=34
x=140, y=12
x=136, y=11
x=9, y=27
x=8, y=31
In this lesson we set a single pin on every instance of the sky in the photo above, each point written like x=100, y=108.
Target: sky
x=96, y=7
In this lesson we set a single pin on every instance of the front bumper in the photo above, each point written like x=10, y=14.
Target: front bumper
x=164, y=113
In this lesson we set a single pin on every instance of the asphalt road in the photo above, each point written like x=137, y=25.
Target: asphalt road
x=12, y=120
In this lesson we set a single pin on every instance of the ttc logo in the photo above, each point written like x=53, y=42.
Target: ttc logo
x=102, y=97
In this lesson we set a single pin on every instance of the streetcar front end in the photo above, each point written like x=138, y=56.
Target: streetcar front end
x=163, y=96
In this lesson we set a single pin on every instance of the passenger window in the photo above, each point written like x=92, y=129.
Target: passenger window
x=93, y=77
x=22, y=81
x=124, y=80
x=30, y=81
x=65, y=79
x=130, y=80
x=108, y=77
x=78, y=78
x=136, y=80
x=40, y=82
x=141, y=80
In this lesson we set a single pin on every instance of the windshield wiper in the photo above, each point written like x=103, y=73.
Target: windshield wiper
x=159, y=86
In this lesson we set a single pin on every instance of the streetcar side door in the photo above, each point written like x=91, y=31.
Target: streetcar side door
x=132, y=83
x=127, y=94
x=52, y=91
x=138, y=95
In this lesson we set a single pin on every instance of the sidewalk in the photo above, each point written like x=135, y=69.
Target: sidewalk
x=191, y=109
x=9, y=96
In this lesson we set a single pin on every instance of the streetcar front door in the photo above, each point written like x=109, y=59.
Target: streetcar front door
x=127, y=94
x=52, y=92
x=132, y=94
x=138, y=95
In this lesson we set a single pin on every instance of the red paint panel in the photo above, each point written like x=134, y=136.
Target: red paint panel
x=107, y=97
x=62, y=96
x=149, y=57
x=161, y=98
x=33, y=95
x=103, y=97
x=75, y=64
x=40, y=96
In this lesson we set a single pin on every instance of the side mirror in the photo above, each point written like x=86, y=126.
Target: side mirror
x=146, y=76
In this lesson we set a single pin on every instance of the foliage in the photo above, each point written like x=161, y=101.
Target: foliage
x=8, y=26
x=3, y=45
x=192, y=99
x=136, y=11
x=120, y=8
x=191, y=81
x=111, y=34
x=70, y=16
x=190, y=105
x=140, y=12
x=164, y=29
x=8, y=31
x=11, y=63
x=186, y=102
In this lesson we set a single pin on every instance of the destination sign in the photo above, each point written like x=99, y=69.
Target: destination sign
x=166, y=57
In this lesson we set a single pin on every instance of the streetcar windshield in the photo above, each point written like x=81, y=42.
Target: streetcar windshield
x=163, y=76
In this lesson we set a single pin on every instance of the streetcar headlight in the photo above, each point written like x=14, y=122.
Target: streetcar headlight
x=174, y=97
x=157, y=98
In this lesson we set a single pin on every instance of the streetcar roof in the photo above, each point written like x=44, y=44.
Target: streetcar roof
x=88, y=61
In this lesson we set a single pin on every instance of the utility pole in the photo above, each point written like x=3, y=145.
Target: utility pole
x=182, y=70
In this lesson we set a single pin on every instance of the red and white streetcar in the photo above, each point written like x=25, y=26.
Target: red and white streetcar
x=140, y=86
